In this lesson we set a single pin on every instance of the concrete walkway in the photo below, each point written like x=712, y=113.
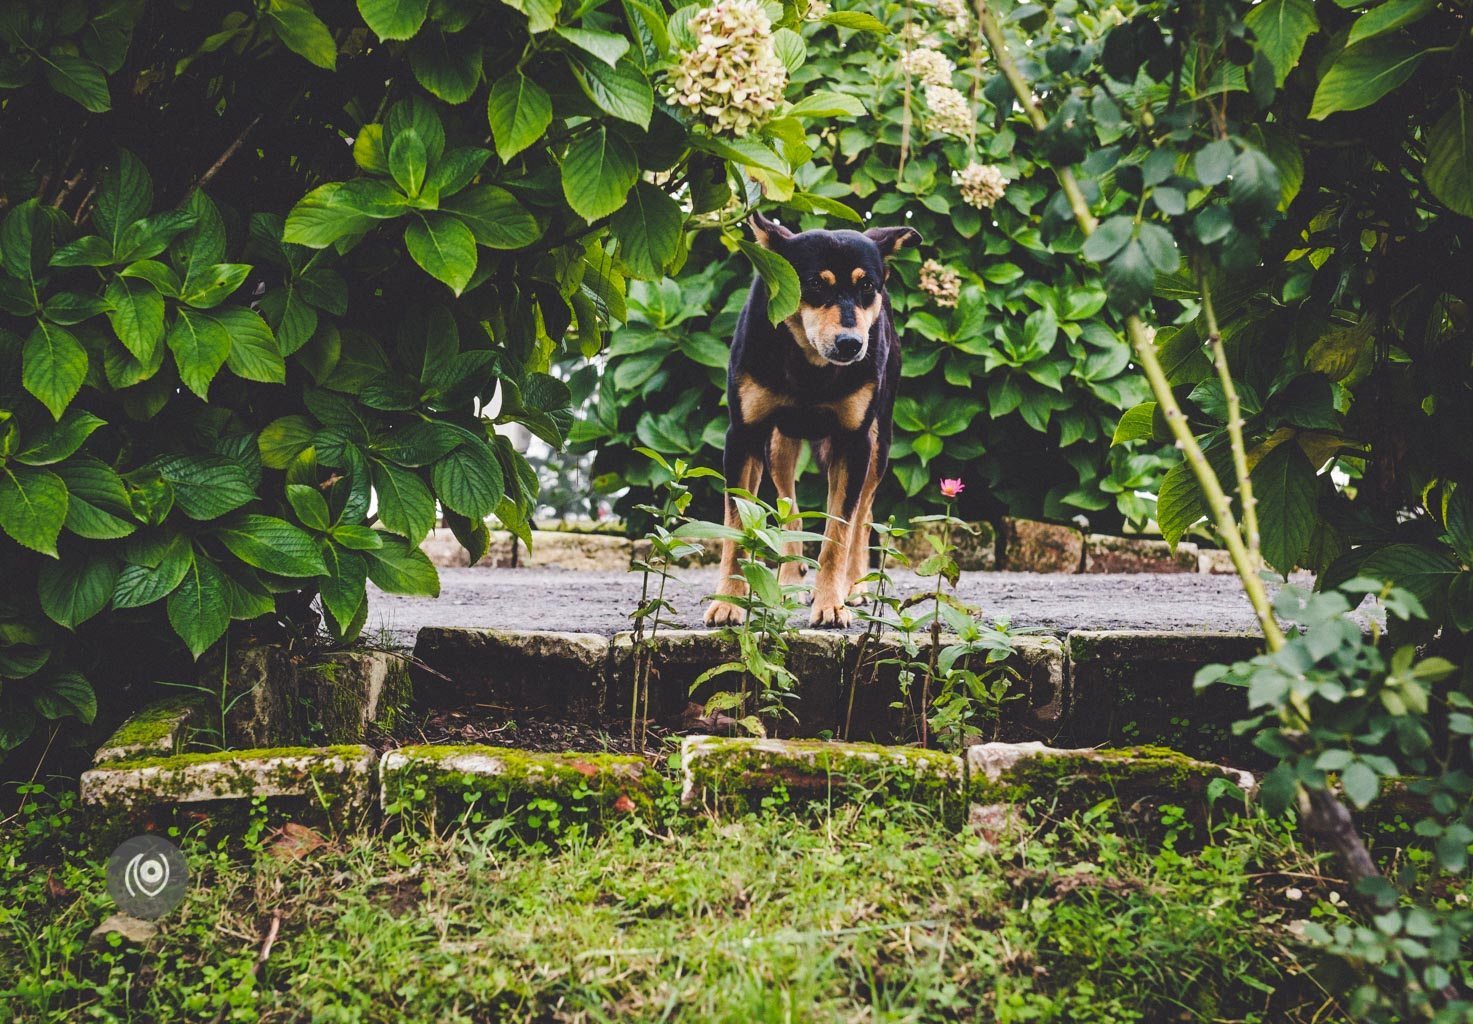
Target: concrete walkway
x=600, y=602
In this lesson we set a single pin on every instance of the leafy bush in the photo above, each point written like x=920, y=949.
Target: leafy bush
x=271, y=275
x=1015, y=372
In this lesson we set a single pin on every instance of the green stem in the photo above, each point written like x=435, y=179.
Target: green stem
x=1234, y=424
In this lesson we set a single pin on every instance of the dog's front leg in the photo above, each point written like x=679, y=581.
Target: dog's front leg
x=743, y=468
x=782, y=462
x=848, y=467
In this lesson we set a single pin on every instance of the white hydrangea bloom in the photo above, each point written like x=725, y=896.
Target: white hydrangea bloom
x=932, y=67
x=958, y=17
x=950, y=113
x=816, y=10
x=732, y=78
x=941, y=283
x=981, y=185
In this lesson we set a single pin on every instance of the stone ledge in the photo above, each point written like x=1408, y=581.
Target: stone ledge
x=736, y=774
x=529, y=668
x=1029, y=545
x=155, y=731
x=551, y=549
x=1106, y=554
x=974, y=549
x=447, y=781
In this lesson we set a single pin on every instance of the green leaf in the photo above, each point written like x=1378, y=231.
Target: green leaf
x=1450, y=156
x=1129, y=277
x=1286, y=489
x=408, y=161
x=1281, y=28
x=495, y=218
x=97, y=500
x=282, y=440
x=369, y=152
x=1425, y=571
x=826, y=103
x=394, y=19
x=1214, y=161
x=206, y=486
x=1137, y=424
x=124, y=196
x=272, y=545
x=1361, y=783
x=198, y=609
x=405, y=504
x=606, y=46
x=324, y=215
x=444, y=247
x=67, y=694
x=1180, y=504
x=303, y=32
x=87, y=251
x=200, y=346
x=784, y=291
x=140, y=585
x=398, y=568
x=61, y=440
x=856, y=20
x=455, y=170
x=72, y=590
x=420, y=443
x=254, y=354
x=622, y=91
x=648, y=229
x=519, y=111
x=1388, y=17
x=469, y=480
x=598, y=171
x=207, y=287
x=447, y=65
x=342, y=589
x=33, y=506
x=310, y=506
x=1362, y=74
x=55, y=364
x=79, y=79
x=1108, y=239
x=136, y=311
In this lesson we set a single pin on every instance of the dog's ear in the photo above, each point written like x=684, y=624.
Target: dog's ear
x=769, y=233
x=892, y=240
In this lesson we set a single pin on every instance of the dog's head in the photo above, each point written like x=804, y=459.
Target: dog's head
x=842, y=274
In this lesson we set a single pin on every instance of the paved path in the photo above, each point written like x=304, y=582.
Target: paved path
x=600, y=602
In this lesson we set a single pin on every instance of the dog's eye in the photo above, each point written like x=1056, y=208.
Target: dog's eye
x=816, y=283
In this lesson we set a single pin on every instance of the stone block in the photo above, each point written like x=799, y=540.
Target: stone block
x=262, y=694
x=347, y=692
x=158, y=730
x=444, y=550
x=523, y=669
x=737, y=774
x=681, y=656
x=974, y=548
x=1005, y=779
x=1105, y=554
x=1032, y=546
x=1035, y=708
x=551, y=549
x=331, y=784
x=476, y=784
x=1132, y=686
x=1216, y=561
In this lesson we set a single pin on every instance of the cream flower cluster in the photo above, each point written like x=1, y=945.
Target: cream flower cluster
x=981, y=185
x=816, y=10
x=958, y=17
x=950, y=113
x=941, y=283
x=733, y=77
x=932, y=67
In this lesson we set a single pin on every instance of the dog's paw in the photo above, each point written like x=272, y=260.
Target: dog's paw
x=723, y=613
x=830, y=613
x=859, y=594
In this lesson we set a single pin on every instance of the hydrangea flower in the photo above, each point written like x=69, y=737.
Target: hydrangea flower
x=958, y=17
x=732, y=78
x=981, y=185
x=950, y=113
x=941, y=283
x=932, y=67
x=816, y=10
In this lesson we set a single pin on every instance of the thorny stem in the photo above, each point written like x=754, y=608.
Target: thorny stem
x=1234, y=424
x=1145, y=352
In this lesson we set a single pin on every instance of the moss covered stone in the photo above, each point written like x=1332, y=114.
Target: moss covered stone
x=1005, y=778
x=349, y=691
x=524, y=669
x=158, y=730
x=974, y=548
x=731, y=773
x=482, y=783
x=331, y=783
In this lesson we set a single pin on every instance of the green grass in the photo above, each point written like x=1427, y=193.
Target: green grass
x=854, y=914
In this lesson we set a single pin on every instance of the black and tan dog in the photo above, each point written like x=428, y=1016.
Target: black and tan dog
x=827, y=375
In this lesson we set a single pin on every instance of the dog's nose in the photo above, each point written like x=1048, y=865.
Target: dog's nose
x=847, y=346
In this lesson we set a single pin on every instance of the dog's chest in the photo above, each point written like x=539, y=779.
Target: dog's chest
x=800, y=416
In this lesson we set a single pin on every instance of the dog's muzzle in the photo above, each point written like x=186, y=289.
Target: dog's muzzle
x=847, y=348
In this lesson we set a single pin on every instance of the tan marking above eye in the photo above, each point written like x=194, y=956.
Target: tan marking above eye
x=827, y=276
x=858, y=273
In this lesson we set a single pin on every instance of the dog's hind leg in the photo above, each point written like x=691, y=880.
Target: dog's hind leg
x=743, y=465
x=782, y=463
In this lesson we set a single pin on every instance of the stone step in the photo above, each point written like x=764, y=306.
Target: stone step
x=347, y=787
x=1086, y=688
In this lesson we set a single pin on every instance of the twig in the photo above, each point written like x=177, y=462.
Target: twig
x=271, y=933
x=230, y=151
